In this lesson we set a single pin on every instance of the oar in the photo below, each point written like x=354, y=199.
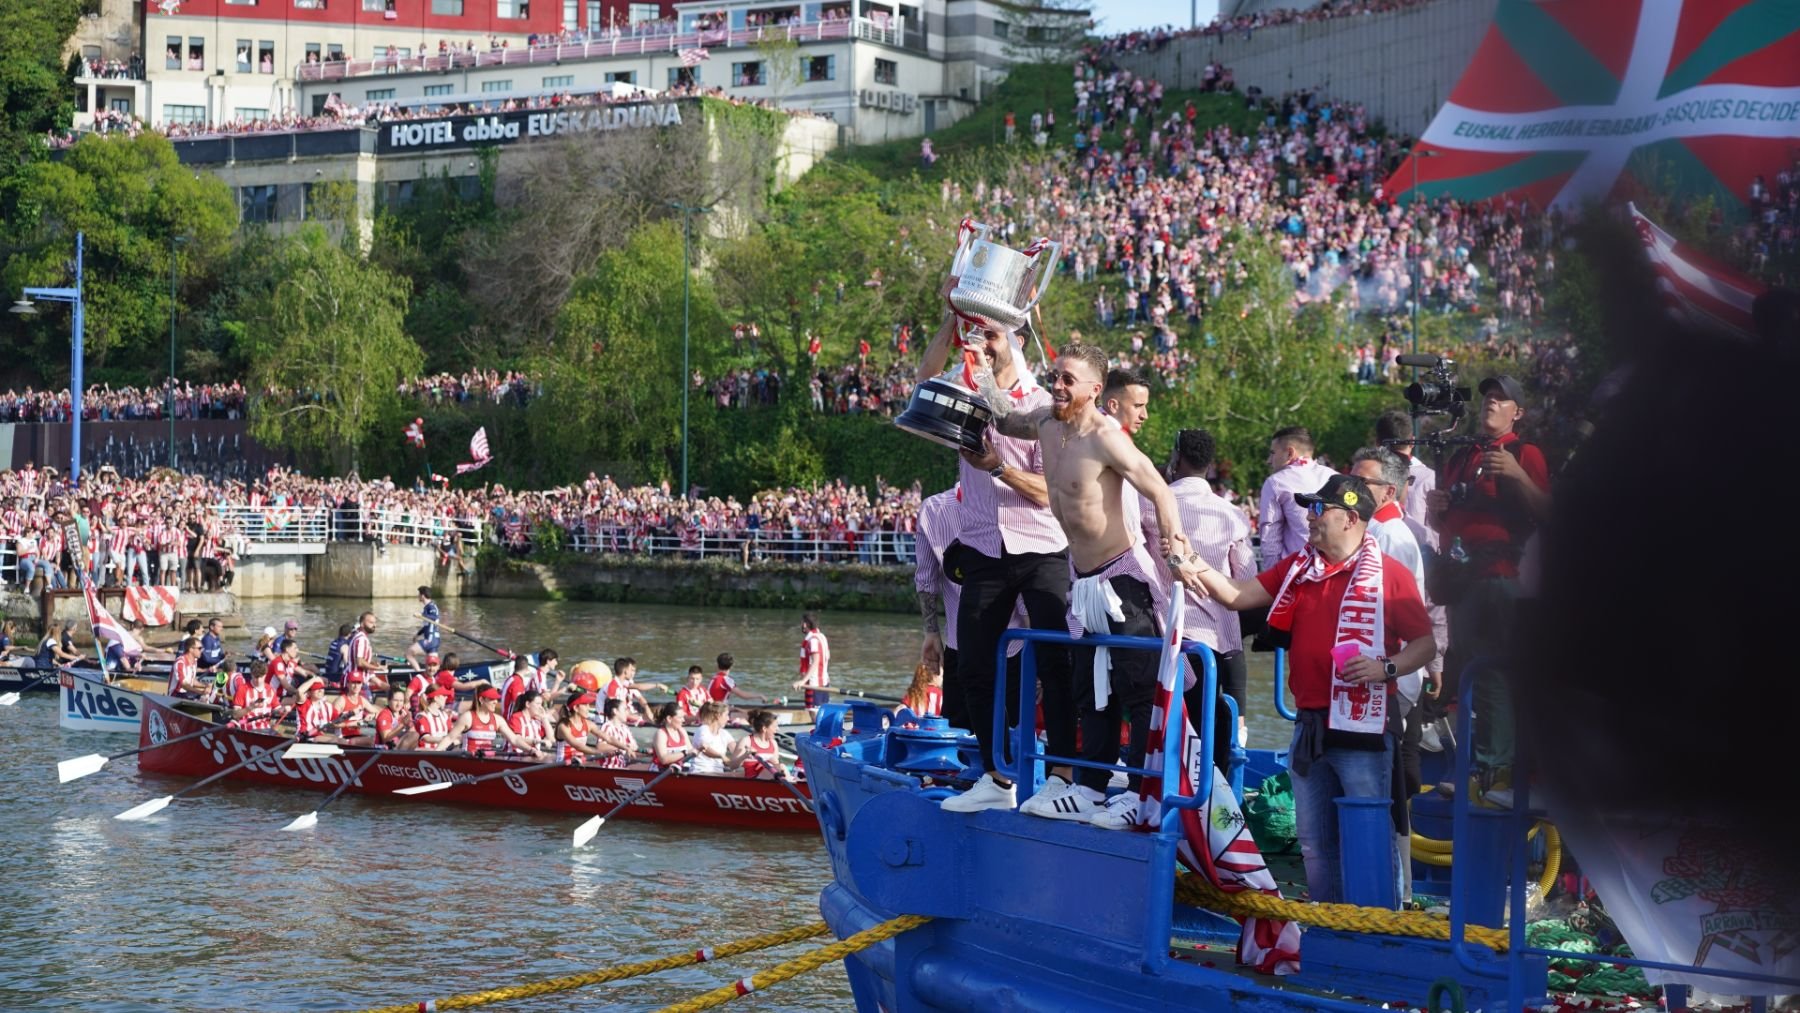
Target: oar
x=789, y=785
x=11, y=697
x=501, y=651
x=157, y=805
x=311, y=819
x=586, y=831
x=420, y=789
x=862, y=695
x=82, y=766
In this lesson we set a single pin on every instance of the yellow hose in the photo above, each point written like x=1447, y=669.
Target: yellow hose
x=1431, y=851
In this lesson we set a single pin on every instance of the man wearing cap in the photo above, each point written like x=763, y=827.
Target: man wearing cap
x=1489, y=500
x=1353, y=621
x=289, y=633
x=315, y=714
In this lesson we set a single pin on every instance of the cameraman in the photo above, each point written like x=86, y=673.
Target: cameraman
x=1489, y=500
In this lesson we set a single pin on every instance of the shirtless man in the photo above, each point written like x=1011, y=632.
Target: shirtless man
x=1116, y=587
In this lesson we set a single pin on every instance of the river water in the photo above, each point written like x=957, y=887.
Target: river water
x=209, y=906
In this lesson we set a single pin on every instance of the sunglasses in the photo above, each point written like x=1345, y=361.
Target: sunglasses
x=1068, y=379
x=1317, y=509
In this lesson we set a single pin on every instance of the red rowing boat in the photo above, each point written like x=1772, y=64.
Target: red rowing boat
x=726, y=801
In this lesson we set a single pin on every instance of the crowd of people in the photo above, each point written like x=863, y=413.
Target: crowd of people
x=105, y=403
x=1152, y=39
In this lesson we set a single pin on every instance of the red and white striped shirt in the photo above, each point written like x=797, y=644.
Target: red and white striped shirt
x=433, y=724
x=997, y=520
x=313, y=717
x=260, y=702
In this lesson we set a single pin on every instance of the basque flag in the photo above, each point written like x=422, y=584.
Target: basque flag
x=106, y=628
x=478, y=449
x=1697, y=289
x=415, y=433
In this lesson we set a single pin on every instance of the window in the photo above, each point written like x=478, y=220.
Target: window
x=747, y=74
x=594, y=17
x=1042, y=33
x=818, y=68
x=334, y=52
x=510, y=8
x=1001, y=29
x=570, y=9
x=374, y=5
x=638, y=13
x=265, y=57
x=242, y=3
x=438, y=89
x=172, y=55
x=243, y=56
x=452, y=8
x=312, y=52
x=246, y=114
x=505, y=85
x=911, y=16
x=621, y=76
x=119, y=105
x=684, y=77
x=886, y=71
x=309, y=5
x=398, y=194
x=560, y=81
x=184, y=114
x=196, y=53
x=377, y=94
x=256, y=203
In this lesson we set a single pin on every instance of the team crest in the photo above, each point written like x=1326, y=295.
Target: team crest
x=159, y=731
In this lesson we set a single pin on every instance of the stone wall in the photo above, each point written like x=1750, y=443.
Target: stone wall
x=1401, y=66
x=26, y=611
x=706, y=583
x=365, y=570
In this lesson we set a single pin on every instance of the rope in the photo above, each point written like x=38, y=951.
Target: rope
x=800, y=965
x=1197, y=892
x=564, y=984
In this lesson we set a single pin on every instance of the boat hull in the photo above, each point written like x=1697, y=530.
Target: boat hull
x=583, y=791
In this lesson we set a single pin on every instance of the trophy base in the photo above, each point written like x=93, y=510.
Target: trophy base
x=947, y=415
x=989, y=313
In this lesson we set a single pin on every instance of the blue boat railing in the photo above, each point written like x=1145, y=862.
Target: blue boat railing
x=1159, y=914
x=1281, y=704
x=1481, y=960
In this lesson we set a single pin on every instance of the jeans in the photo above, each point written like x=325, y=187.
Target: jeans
x=28, y=569
x=1358, y=773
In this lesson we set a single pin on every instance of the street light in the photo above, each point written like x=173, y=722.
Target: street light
x=26, y=308
x=175, y=244
x=687, y=218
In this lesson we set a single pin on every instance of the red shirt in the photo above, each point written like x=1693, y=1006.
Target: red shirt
x=515, y=687
x=386, y=725
x=1481, y=520
x=721, y=686
x=281, y=670
x=1316, y=622
x=690, y=701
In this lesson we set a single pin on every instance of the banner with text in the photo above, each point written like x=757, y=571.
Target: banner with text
x=514, y=125
x=1569, y=102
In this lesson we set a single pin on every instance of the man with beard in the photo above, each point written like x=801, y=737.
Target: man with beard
x=1115, y=584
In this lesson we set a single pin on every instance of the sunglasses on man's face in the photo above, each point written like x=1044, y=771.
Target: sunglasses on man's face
x=1318, y=508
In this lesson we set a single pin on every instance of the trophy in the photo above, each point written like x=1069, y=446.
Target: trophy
x=996, y=287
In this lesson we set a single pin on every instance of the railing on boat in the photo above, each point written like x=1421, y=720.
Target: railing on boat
x=1474, y=958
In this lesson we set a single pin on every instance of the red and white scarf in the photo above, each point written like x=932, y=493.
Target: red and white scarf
x=1355, y=707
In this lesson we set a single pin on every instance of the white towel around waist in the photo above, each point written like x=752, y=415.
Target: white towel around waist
x=1095, y=605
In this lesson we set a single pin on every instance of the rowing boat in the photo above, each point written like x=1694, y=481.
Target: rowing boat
x=712, y=800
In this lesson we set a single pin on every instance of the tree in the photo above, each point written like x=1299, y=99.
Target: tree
x=1266, y=365
x=36, y=94
x=1047, y=31
x=332, y=329
x=783, y=64
x=131, y=197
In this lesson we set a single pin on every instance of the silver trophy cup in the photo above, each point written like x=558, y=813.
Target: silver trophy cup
x=996, y=285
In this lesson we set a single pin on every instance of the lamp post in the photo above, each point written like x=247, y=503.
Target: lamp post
x=687, y=219
x=175, y=244
x=1417, y=153
x=26, y=308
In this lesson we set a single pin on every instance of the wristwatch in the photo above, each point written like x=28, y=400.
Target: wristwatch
x=1389, y=672
x=998, y=469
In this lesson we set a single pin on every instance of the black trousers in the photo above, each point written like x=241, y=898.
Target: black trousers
x=1234, y=682
x=991, y=588
x=956, y=709
x=1131, y=689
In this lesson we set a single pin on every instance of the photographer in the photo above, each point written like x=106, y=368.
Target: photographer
x=1489, y=500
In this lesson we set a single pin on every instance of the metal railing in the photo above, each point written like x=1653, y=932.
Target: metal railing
x=875, y=548
x=890, y=33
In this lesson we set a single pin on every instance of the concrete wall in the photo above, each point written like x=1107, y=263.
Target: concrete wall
x=363, y=570
x=270, y=577
x=26, y=611
x=1401, y=66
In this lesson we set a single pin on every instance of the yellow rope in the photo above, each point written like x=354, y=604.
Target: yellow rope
x=568, y=982
x=1197, y=892
x=799, y=965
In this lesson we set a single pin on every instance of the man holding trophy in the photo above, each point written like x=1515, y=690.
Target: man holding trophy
x=1017, y=526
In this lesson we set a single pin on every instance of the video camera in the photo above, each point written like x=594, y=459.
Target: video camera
x=1435, y=392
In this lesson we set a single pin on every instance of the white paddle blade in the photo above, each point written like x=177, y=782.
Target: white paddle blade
x=306, y=822
x=420, y=789
x=81, y=766
x=311, y=751
x=8, y=699
x=149, y=808
x=586, y=831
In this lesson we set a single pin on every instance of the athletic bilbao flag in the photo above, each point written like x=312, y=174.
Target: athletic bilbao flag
x=1697, y=289
x=415, y=433
x=478, y=449
x=1566, y=102
x=107, y=629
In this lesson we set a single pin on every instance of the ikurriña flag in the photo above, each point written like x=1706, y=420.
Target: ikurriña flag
x=478, y=450
x=108, y=630
x=415, y=432
x=1565, y=102
x=1697, y=289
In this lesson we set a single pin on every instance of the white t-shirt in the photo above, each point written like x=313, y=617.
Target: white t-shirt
x=704, y=739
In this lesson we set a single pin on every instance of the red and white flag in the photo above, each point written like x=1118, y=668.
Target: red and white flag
x=1698, y=290
x=415, y=433
x=692, y=57
x=106, y=628
x=478, y=449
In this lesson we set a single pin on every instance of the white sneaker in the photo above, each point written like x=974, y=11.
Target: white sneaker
x=1119, y=813
x=1077, y=804
x=1054, y=788
x=1428, y=739
x=985, y=795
